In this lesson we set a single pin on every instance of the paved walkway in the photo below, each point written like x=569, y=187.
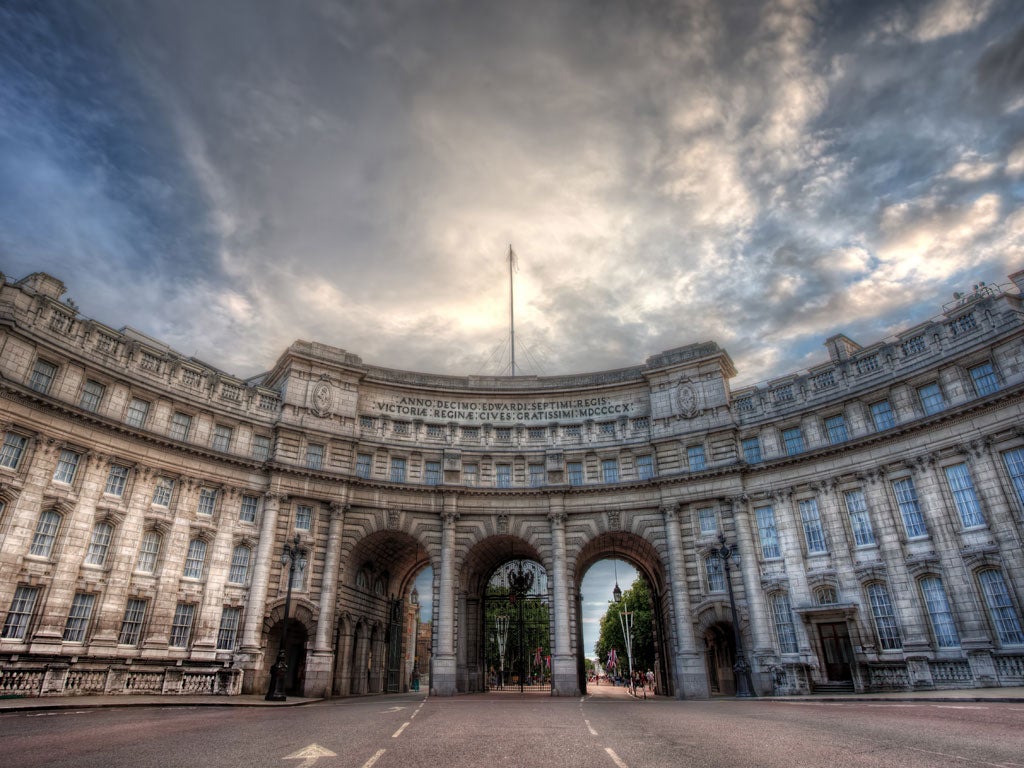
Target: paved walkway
x=20, y=704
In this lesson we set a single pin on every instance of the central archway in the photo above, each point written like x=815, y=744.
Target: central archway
x=517, y=628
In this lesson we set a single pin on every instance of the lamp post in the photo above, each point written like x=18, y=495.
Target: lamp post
x=744, y=683
x=294, y=556
x=626, y=623
x=501, y=622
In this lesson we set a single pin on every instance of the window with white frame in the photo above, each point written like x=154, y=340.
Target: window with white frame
x=181, y=625
x=181, y=423
x=825, y=596
x=222, y=438
x=884, y=618
x=78, y=617
x=814, y=533
x=984, y=378
x=260, y=447
x=67, y=467
x=503, y=475
x=195, y=559
x=137, y=413
x=882, y=415
x=99, y=544
x=610, y=471
x=397, y=474
x=364, y=465
x=42, y=376
x=12, y=450
x=239, y=571
x=860, y=520
x=303, y=517
x=117, y=479
x=1000, y=607
x=645, y=467
x=695, y=458
x=751, y=450
x=19, y=617
x=45, y=535
x=315, y=456
x=149, y=551
x=767, y=533
x=793, y=439
x=964, y=496
x=228, y=631
x=939, y=613
x=715, y=573
x=931, y=398
x=910, y=508
x=207, y=501
x=162, y=491
x=470, y=474
x=707, y=521
x=1014, y=461
x=574, y=472
x=536, y=475
x=249, y=508
x=835, y=426
x=92, y=395
x=131, y=624
x=782, y=614
x=432, y=473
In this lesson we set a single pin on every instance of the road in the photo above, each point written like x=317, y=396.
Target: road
x=604, y=730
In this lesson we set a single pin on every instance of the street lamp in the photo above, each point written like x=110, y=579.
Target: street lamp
x=744, y=683
x=294, y=556
x=501, y=622
x=626, y=623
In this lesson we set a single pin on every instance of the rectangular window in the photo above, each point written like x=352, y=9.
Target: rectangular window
x=222, y=438
x=207, y=501
x=910, y=508
x=12, y=451
x=194, y=559
x=20, y=615
x=46, y=534
x=99, y=544
x=1014, y=461
x=574, y=472
x=609, y=471
x=814, y=533
x=397, y=470
x=78, y=618
x=1000, y=608
x=249, y=509
x=574, y=432
x=364, y=463
x=92, y=394
x=260, y=447
x=366, y=422
x=984, y=378
x=860, y=520
x=471, y=433
x=707, y=521
x=885, y=618
x=181, y=423
x=785, y=633
x=148, y=552
x=239, y=571
x=432, y=473
x=303, y=517
x=117, y=479
x=163, y=491
x=470, y=474
x=228, y=628
x=536, y=475
x=939, y=613
x=503, y=434
x=715, y=573
x=767, y=533
x=645, y=467
x=131, y=624
x=503, y=475
x=67, y=467
x=794, y=441
x=751, y=450
x=695, y=458
x=42, y=376
x=137, y=413
x=931, y=397
x=181, y=625
x=314, y=456
x=835, y=426
x=535, y=433
x=882, y=415
x=435, y=431
x=400, y=427
x=966, y=500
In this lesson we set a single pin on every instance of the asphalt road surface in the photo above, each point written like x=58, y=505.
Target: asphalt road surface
x=603, y=730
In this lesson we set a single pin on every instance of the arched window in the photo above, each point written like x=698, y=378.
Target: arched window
x=825, y=596
x=885, y=618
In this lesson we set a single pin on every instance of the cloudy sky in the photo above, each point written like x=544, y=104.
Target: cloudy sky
x=231, y=176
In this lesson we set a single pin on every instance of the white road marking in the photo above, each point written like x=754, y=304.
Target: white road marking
x=393, y=709
x=369, y=763
x=398, y=733
x=615, y=758
x=589, y=728
x=952, y=706
x=310, y=755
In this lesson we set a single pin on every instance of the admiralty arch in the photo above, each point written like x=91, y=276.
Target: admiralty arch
x=875, y=501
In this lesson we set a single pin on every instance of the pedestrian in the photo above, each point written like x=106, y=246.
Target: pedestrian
x=650, y=680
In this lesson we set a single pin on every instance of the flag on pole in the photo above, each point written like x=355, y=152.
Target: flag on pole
x=537, y=660
x=547, y=662
x=613, y=659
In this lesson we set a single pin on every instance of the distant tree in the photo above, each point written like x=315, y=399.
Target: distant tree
x=636, y=599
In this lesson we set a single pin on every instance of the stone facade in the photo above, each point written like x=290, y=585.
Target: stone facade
x=875, y=503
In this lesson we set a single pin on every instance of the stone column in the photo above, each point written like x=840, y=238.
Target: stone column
x=443, y=675
x=563, y=662
x=321, y=660
x=760, y=629
x=250, y=651
x=690, y=668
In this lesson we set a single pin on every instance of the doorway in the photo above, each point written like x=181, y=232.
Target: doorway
x=836, y=651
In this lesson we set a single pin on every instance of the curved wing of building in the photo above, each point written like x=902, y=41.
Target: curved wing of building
x=873, y=507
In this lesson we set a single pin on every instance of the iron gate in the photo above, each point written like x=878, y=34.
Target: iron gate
x=396, y=625
x=517, y=629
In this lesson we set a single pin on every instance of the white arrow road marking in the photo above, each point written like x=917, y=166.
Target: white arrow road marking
x=369, y=763
x=310, y=754
x=394, y=709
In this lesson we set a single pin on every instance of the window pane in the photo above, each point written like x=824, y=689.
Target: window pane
x=860, y=521
x=228, y=628
x=78, y=618
x=910, y=509
x=503, y=475
x=962, y=488
x=148, y=552
x=1014, y=461
x=12, y=450
x=303, y=517
x=195, y=559
x=137, y=412
x=984, y=378
x=46, y=534
x=432, y=473
x=363, y=465
x=180, y=425
x=1000, y=607
x=207, y=501
x=116, y=480
x=131, y=625
x=99, y=544
x=715, y=573
x=785, y=633
x=315, y=456
x=768, y=535
x=574, y=472
x=42, y=376
x=794, y=441
x=881, y=413
x=239, y=565
x=67, y=467
x=92, y=394
x=397, y=470
x=939, y=613
x=695, y=457
x=931, y=398
x=708, y=521
x=885, y=619
x=836, y=428
x=751, y=450
x=162, y=492
x=814, y=534
x=181, y=625
x=249, y=509
x=20, y=614
x=610, y=471
x=645, y=467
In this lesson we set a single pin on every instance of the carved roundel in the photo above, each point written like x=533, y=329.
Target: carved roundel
x=321, y=399
x=687, y=398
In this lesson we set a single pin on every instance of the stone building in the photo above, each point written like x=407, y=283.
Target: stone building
x=875, y=501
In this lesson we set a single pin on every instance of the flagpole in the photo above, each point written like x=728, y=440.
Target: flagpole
x=511, y=309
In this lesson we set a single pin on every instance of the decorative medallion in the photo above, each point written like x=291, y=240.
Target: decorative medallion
x=393, y=519
x=687, y=398
x=613, y=519
x=321, y=398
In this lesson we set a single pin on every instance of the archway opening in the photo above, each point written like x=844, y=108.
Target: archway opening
x=295, y=654
x=517, y=628
x=720, y=654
